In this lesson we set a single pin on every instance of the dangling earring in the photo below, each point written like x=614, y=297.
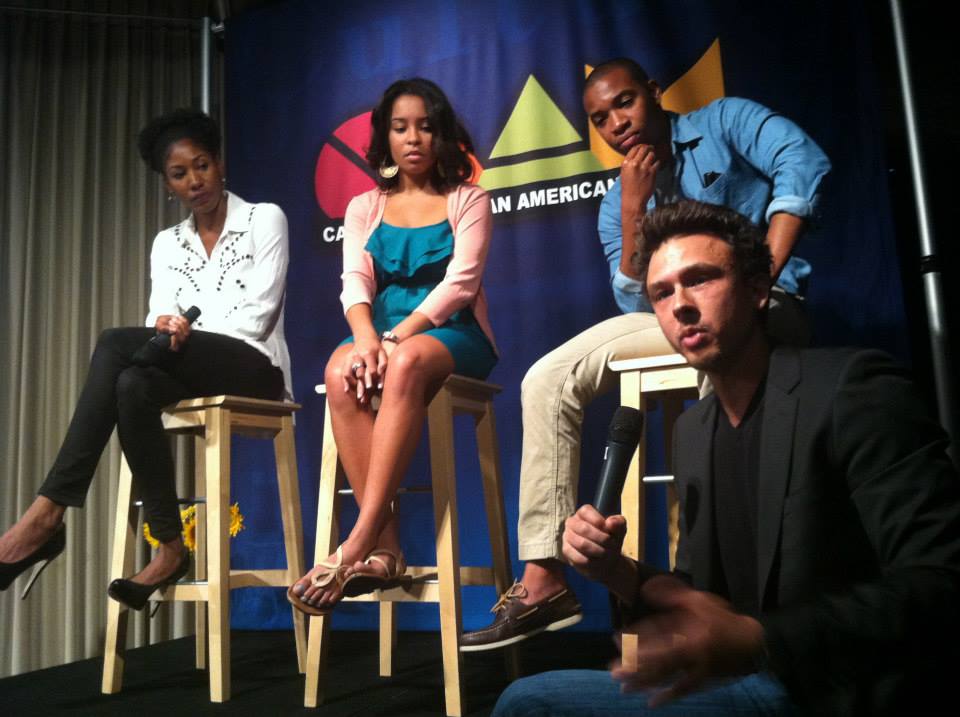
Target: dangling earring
x=169, y=196
x=388, y=171
x=223, y=183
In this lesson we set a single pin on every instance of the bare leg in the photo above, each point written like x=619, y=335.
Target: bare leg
x=35, y=527
x=164, y=563
x=40, y=521
x=352, y=423
x=353, y=426
x=353, y=430
x=542, y=578
x=416, y=371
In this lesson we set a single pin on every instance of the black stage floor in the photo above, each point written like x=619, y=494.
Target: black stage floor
x=160, y=679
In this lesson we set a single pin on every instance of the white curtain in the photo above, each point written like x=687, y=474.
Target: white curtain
x=78, y=211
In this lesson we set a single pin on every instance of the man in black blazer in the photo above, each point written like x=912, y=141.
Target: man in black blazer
x=818, y=568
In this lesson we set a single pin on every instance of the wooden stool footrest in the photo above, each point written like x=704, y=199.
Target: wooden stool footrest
x=658, y=479
x=198, y=500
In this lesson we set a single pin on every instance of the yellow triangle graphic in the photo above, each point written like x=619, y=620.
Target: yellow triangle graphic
x=535, y=123
x=699, y=86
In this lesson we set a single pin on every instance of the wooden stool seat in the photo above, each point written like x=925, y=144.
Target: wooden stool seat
x=438, y=583
x=213, y=420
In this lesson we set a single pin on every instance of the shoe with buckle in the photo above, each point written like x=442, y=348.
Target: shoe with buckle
x=516, y=621
x=40, y=557
x=361, y=582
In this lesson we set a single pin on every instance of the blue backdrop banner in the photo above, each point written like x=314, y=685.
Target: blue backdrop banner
x=301, y=79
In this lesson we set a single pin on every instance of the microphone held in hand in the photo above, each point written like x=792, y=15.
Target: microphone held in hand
x=156, y=348
x=622, y=439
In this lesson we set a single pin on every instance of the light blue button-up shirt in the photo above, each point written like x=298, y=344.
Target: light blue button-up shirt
x=739, y=154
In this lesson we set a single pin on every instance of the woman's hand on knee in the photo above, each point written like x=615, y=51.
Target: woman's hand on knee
x=363, y=370
x=348, y=371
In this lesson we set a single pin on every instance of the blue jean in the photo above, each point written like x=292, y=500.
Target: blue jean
x=594, y=693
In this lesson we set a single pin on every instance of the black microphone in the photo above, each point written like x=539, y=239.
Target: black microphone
x=622, y=440
x=156, y=348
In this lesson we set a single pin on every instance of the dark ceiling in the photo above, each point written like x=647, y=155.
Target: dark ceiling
x=217, y=9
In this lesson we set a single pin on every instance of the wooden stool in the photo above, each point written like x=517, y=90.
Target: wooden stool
x=670, y=380
x=438, y=583
x=212, y=420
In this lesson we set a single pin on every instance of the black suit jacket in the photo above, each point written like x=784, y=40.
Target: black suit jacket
x=858, y=532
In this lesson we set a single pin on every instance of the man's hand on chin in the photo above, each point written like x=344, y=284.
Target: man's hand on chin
x=691, y=637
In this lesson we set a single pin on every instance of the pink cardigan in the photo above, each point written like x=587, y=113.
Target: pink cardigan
x=468, y=211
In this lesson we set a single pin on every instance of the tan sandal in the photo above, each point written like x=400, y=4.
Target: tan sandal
x=361, y=583
x=331, y=571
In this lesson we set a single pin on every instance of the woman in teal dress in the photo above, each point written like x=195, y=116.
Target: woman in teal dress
x=413, y=256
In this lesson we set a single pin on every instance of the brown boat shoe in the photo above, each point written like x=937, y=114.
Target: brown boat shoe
x=516, y=621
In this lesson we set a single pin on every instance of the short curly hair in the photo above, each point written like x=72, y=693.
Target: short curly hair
x=751, y=255
x=451, y=141
x=632, y=67
x=155, y=139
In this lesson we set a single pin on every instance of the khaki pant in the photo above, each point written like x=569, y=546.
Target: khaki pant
x=560, y=385
x=554, y=393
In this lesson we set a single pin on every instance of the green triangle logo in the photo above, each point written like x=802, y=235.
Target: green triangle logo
x=535, y=123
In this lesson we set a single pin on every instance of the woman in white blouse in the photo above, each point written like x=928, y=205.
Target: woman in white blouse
x=229, y=259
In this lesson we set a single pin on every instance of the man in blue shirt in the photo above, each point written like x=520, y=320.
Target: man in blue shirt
x=734, y=153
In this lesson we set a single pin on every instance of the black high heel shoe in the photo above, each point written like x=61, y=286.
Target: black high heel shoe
x=41, y=557
x=136, y=595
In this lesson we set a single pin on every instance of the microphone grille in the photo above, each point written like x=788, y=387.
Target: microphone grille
x=626, y=425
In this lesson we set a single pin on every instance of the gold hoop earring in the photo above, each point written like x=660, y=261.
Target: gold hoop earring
x=388, y=171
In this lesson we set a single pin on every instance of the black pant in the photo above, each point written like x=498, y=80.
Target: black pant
x=118, y=393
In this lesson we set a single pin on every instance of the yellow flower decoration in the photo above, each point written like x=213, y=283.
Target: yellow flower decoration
x=188, y=516
x=154, y=543
x=236, y=520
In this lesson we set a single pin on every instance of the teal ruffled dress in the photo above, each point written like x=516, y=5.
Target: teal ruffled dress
x=408, y=264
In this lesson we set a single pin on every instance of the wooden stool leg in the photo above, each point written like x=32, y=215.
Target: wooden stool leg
x=327, y=533
x=633, y=499
x=217, y=439
x=388, y=636
x=121, y=564
x=388, y=631
x=489, y=452
x=672, y=408
x=200, y=551
x=289, y=488
x=440, y=421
